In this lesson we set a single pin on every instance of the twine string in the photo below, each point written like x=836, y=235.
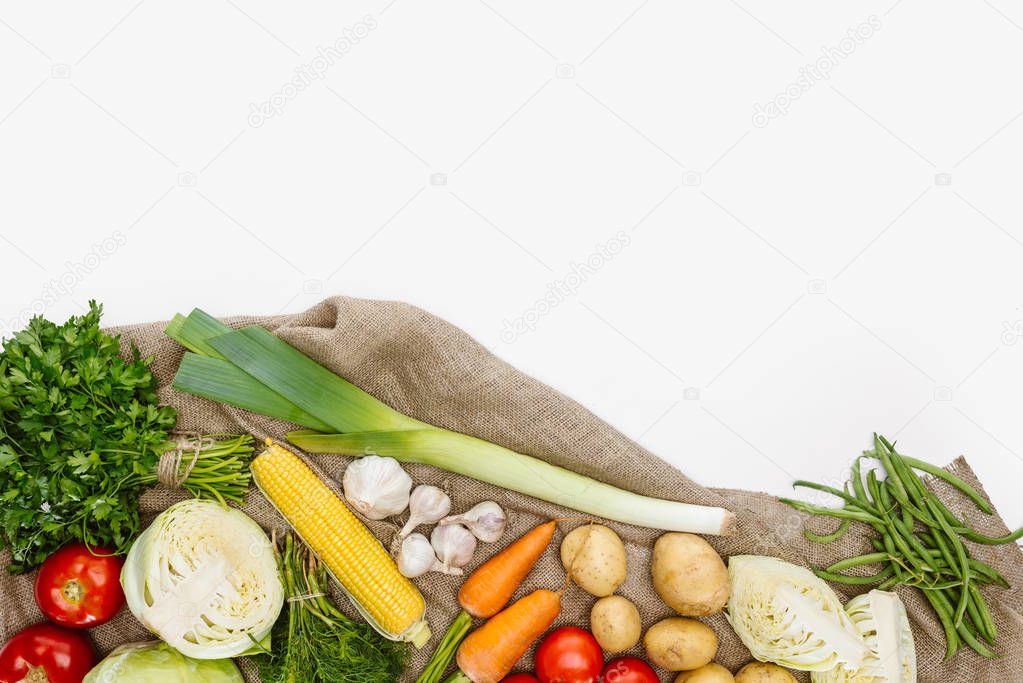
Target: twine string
x=169, y=471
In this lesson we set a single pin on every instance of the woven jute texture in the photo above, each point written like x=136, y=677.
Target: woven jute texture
x=433, y=371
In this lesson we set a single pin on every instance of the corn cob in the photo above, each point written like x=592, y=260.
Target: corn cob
x=388, y=600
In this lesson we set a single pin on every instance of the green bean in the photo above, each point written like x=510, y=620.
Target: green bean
x=854, y=580
x=952, y=479
x=883, y=452
x=913, y=542
x=829, y=538
x=840, y=513
x=850, y=500
x=857, y=481
x=990, y=572
x=917, y=492
x=874, y=558
x=889, y=546
x=890, y=584
x=985, y=614
x=971, y=640
x=938, y=585
x=974, y=612
x=945, y=619
x=964, y=632
x=902, y=541
x=979, y=572
x=988, y=540
x=964, y=564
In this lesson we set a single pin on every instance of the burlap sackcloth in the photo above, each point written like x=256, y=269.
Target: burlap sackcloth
x=433, y=371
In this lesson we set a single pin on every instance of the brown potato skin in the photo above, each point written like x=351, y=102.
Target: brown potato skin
x=594, y=556
x=709, y=673
x=689, y=575
x=615, y=623
x=762, y=672
x=679, y=644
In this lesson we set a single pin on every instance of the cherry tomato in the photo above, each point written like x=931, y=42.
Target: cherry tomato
x=78, y=588
x=47, y=654
x=628, y=670
x=520, y=678
x=569, y=655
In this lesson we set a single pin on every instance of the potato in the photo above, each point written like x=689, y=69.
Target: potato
x=615, y=623
x=689, y=575
x=762, y=672
x=594, y=557
x=678, y=644
x=709, y=673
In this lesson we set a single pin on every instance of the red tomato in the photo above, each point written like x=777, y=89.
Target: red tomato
x=628, y=670
x=80, y=589
x=48, y=654
x=569, y=655
x=520, y=678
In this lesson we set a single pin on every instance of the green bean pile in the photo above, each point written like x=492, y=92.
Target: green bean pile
x=920, y=543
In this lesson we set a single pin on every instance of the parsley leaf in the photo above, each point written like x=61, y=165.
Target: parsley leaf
x=81, y=433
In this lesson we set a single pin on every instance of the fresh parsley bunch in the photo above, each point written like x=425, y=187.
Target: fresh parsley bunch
x=81, y=434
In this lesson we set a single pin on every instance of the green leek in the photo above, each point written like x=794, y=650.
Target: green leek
x=252, y=369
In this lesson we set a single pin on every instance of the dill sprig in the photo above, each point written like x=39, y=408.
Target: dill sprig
x=313, y=641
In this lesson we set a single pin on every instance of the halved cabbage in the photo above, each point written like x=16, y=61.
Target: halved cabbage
x=881, y=619
x=204, y=579
x=785, y=614
x=148, y=662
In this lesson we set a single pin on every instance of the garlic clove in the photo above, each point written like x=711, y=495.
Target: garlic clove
x=377, y=487
x=454, y=545
x=485, y=520
x=417, y=557
x=427, y=505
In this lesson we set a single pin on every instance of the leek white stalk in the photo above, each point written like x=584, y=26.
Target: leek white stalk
x=503, y=467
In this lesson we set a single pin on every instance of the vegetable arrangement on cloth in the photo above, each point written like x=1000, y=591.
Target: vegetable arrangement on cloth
x=429, y=373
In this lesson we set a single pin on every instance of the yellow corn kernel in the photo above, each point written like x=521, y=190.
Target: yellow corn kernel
x=343, y=543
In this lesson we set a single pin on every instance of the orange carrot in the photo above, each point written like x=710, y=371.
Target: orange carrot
x=490, y=587
x=487, y=591
x=490, y=652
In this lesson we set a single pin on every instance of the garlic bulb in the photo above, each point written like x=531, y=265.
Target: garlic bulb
x=377, y=487
x=417, y=557
x=427, y=505
x=454, y=545
x=486, y=521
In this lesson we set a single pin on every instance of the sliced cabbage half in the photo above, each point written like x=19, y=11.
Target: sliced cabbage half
x=881, y=619
x=785, y=614
x=149, y=662
x=204, y=579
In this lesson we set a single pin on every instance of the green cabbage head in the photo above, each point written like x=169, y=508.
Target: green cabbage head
x=156, y=661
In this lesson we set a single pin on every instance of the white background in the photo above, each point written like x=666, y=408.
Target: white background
x=790, y=283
